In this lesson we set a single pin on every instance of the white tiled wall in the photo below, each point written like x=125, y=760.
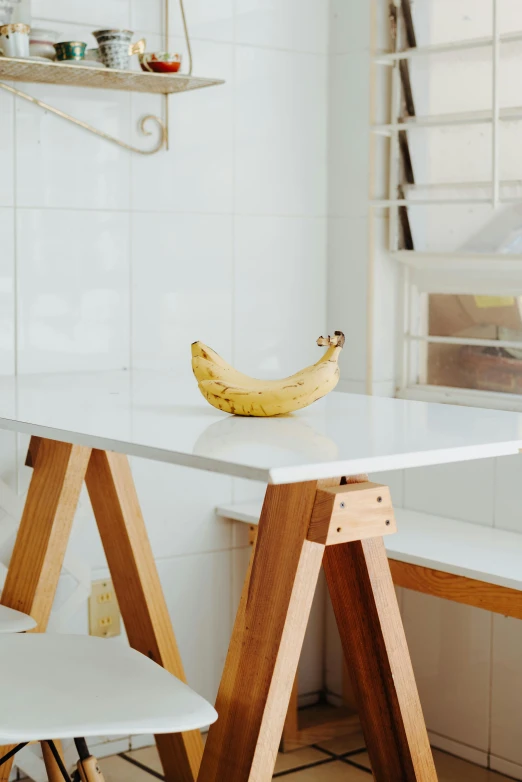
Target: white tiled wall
x=110, y=260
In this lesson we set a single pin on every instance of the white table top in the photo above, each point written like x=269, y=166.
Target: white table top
x=165, y=418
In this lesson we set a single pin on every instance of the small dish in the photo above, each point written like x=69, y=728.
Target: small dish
x=41, y=42
x=160, y=62
x=84, y=63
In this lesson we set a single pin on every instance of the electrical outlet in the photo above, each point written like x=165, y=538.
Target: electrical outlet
x=104, y=611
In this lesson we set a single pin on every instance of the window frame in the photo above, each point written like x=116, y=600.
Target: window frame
x=424, y=272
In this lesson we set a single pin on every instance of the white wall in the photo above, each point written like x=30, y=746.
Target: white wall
x=112, y=260
x=467, y=661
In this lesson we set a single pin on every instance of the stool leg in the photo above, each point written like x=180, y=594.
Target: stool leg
x=374, y=644
x=36, y=562
x=89, y=770
x=53, y=770
x=266, y=642
x=138, y=589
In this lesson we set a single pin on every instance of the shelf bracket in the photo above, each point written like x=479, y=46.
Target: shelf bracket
x=163, y=133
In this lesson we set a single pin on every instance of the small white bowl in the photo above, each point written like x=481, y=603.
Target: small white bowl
x=41, y=42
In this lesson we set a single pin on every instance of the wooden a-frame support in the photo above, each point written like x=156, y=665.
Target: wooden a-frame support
x=302, y=526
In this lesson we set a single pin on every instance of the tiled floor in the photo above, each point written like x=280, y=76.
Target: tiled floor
x=340, y=760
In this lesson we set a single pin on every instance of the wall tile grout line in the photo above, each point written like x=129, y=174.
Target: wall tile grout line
x=15, y=242
x=178, y=212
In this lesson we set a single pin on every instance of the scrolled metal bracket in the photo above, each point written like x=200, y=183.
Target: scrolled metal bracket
x=163, y=130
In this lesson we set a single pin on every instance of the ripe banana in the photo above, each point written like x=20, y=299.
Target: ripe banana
x=233, y=392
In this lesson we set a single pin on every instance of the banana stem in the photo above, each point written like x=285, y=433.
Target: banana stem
x=336, y=341
x=334, y=344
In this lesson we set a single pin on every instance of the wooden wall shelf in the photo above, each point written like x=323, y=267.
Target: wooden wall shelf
x=13, y=69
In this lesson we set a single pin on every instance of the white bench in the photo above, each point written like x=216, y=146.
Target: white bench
x=461, y=550
x=447, y=558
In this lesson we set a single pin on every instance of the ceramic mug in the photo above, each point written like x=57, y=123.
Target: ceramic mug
x=70, y=50
x=115, y=48
x=14, y=40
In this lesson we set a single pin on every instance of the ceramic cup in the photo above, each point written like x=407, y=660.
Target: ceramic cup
x=115, y=48
x=14, y=40
x=70, y=50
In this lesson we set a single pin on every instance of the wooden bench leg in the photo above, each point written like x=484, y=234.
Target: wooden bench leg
x=374, y=644
x=266, y=642
x=138, y=589
x=36, y=562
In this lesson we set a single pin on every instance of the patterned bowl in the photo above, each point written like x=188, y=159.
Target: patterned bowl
x=160, y=62
x=41, y=42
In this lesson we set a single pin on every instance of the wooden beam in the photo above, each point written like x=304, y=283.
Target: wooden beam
x=374, y=645
x=459, y=589
x=290, y=738
x=32, y=453
x=44, y=530
x=138, y=589
x=351, y=512
x=266, y=642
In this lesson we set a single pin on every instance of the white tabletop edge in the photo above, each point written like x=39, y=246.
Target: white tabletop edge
x=162, y=417
x=132, y=449
x=279, y=475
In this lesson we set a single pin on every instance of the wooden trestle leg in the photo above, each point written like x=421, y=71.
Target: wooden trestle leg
x=138, y=589
x=372, y=635
x=298, y=522
x=266, y=642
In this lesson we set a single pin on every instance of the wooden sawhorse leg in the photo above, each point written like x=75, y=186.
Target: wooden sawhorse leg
x=300, y=523
x=59, y=470
x=138, y=589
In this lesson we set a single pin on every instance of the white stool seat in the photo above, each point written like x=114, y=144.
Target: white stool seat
x=65, y=686
x=12, y=621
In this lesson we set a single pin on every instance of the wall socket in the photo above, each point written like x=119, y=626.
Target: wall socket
x=104, y=611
